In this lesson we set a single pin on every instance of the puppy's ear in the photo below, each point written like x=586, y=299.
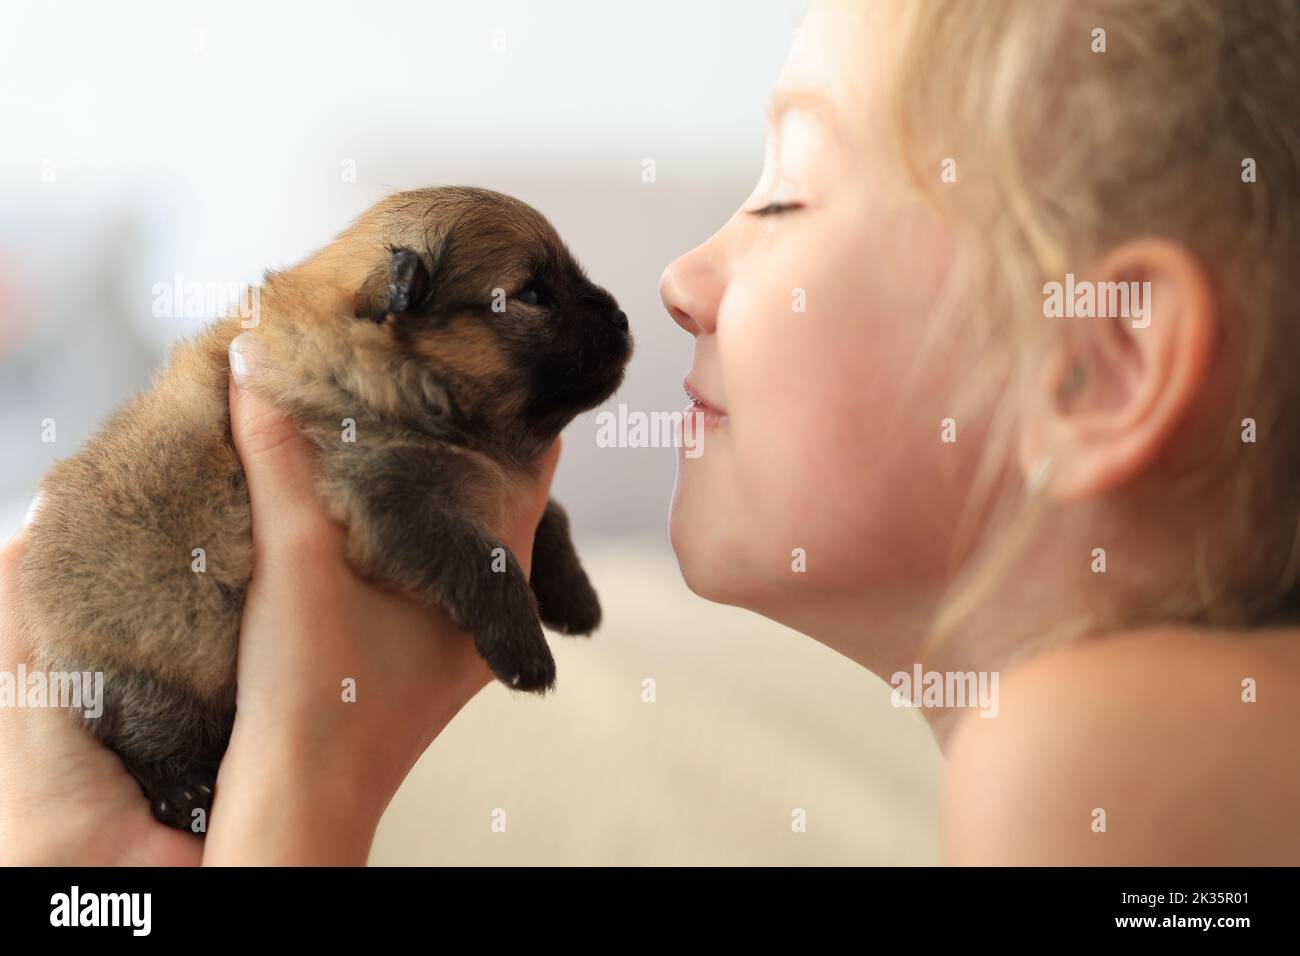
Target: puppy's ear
x=402, y=285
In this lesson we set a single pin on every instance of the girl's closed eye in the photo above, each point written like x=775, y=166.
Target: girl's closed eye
x=775, y=208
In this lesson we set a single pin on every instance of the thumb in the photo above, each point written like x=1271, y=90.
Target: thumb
x=531, y=506
x=546, y=474
x=278, y=462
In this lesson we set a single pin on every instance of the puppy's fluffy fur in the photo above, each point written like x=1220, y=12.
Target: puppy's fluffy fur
x=458, y=333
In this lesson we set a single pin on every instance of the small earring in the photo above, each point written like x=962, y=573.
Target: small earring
x=1037, y=477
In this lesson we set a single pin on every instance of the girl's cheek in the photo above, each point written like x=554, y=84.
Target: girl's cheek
x=802, y=345
x=810, y=393
x=788, y=431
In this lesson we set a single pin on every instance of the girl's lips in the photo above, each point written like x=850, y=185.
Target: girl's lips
x=710, y=416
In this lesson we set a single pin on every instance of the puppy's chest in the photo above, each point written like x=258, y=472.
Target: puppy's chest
x=370, y=465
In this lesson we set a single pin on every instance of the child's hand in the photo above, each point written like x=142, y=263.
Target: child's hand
x=308, y=774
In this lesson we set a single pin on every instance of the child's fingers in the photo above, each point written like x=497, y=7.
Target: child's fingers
x=279, y=466
x=13, y=646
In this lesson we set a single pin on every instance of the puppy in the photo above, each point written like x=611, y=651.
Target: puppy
x=431, y=353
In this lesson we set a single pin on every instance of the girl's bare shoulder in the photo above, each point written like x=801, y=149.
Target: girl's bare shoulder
x=1170, y=746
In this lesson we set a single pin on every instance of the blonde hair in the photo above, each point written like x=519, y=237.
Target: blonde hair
x=1065, y=151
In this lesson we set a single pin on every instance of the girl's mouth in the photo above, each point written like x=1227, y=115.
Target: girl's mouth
x=710, y=416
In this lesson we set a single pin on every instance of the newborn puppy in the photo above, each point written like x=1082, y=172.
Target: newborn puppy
x=431, y=353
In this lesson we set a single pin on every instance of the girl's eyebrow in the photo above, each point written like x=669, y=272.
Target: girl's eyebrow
x=783, y=101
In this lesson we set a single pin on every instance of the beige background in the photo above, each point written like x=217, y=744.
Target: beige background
x=751, y=720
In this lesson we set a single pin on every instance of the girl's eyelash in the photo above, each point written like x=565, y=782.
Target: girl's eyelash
x=775, y=208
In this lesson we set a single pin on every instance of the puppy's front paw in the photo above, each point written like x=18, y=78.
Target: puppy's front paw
x=516, y=651
x=570, y=605
x=565, y=598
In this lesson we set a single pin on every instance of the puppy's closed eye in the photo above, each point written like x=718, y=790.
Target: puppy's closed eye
x=531, y=294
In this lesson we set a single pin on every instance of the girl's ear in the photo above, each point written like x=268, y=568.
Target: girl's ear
x=1142, y=326
x=403, y=284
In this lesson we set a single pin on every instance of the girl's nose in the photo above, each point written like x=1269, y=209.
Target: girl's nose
x=690, y=289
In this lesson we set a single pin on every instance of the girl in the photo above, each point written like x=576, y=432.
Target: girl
x=1099, y=509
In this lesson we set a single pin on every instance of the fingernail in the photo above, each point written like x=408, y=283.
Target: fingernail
x=242, y=360
x=32, y=509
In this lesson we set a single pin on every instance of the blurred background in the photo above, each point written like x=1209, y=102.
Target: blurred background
x=156, y=158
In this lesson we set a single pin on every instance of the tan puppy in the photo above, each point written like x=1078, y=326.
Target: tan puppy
x=456, y=331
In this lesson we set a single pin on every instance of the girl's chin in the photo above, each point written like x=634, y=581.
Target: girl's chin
x=687, y=542
x=697, y=545
x=702, y=577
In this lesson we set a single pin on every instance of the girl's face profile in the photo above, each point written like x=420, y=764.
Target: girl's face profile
x=810, y=308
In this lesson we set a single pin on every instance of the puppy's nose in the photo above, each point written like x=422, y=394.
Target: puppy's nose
x=619, y=318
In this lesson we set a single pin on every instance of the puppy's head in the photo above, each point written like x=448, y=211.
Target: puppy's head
x=478, y=288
